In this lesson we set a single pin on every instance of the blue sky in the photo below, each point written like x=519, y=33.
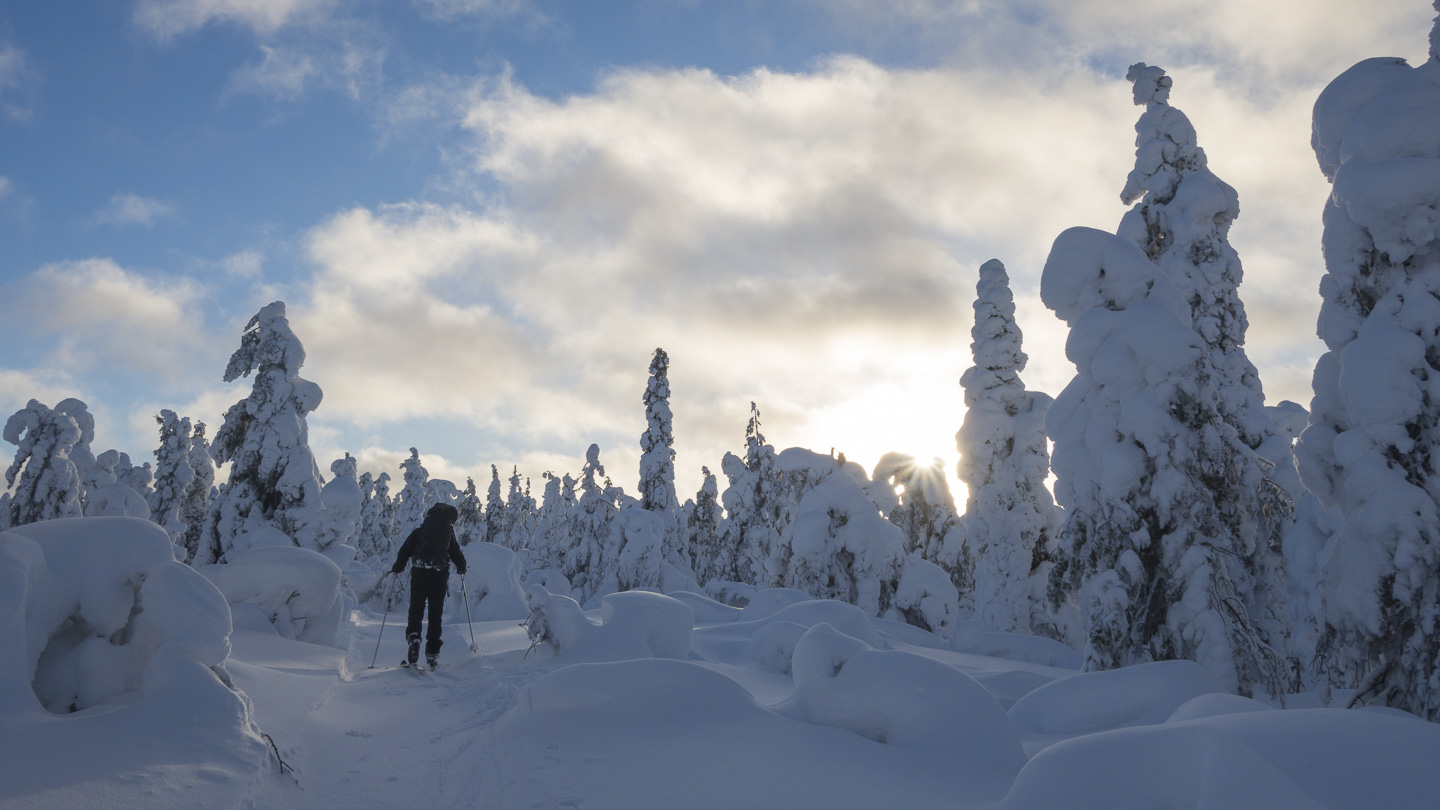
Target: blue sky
x=485, y=214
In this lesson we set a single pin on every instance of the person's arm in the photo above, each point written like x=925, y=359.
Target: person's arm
x=456, y=556
x=406, y=549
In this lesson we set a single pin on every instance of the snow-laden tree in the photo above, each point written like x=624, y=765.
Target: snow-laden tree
x=755, y=509
x=710, y=557
x=274, y=482
x=923, y=508
x=591, y=553
x=1374, y=436
x=81, y=455
x=139, y=479
x=494, y=510
x=173, y=475
x=519, y=516
x=657, y=455
x=377, y=518
x=339, y=523
x=552, y=524
x=106, y=496
x=1181, y=219
x=43, y=480
x=470, y=526
x=196, y=503
x=413, y=499
x=1145, y=469
x=843, y=548
x=1010, y=521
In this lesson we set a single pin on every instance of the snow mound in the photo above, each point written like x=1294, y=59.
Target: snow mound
x=493, y=583
x=297, y=589
x=765, y=603
x=1303, y=759
x=633, y=624
x=1090, y=702
x=940, y=713
x=100, y=625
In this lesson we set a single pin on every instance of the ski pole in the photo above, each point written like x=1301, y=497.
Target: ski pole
x=382, y=626
x=465, y=596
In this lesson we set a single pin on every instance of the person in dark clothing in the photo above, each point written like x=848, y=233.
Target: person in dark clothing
x=429, y=550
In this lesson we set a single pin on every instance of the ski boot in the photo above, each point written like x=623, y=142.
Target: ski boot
x=432, y=661
x=413, y=654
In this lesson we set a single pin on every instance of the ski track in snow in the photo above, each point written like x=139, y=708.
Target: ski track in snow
x=383, y=737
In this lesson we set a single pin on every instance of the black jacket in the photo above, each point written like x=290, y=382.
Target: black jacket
x=433, y=546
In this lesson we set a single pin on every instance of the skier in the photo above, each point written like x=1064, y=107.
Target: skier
x=429, y=549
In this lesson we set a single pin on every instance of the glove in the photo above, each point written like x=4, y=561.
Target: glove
x=460, y=569
x=397, y=569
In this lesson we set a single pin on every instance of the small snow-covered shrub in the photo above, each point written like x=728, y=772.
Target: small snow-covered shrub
x=633, y=624
x=297, y=589
x=493, y=583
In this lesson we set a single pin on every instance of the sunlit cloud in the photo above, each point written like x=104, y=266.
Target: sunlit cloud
x=132, y=209
x=103, y=316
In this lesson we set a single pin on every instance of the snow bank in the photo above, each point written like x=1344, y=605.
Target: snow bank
x=1310, y=759
x=633, y=624
x=100, y=625
x=897, y=698
x=297, y=589
x=492, y=581
x=1099, y=701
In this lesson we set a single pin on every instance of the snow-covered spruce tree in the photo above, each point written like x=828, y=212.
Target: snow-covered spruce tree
x=1011, y=521
x=81, y=455
x=755, y=509
x=590, y=555
x=273, y=480
x=136, y=478
x=552, y=524
x=1374, y=436
x=1182, y=221
x=494, y=510
x=414, y=498
x=1143, y=464
x=339, y=522
x=173, y=475
x=842, y=548
x=196, y=502
x=470, y=526
x=657, y=455
x=105, y=495
x=377, y=518
x=925, y=511
x=710, y=558
x=48, y=484
x=519, y=515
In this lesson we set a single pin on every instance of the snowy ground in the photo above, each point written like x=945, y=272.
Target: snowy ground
x=654, y=702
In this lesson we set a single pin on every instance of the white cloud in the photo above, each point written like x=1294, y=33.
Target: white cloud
x=19, y=81
x=94, y=314
x=132, y=209
x=165, y=19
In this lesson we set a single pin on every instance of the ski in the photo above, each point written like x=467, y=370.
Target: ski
x=415, y=667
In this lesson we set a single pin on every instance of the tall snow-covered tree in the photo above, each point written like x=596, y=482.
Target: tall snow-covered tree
x=274, y=482
x=377, y=518
x=494, y=510
x=415, y=497
x=552, y=524
x=1374, y=435
x=173, y=475
x=1143, y=465
x=81, y=455
x=1181, y=218
x=710, y=557
x=591, y=555
x=470, y=526
x=657, y=454
x=755, y=510
x=196, y=503
x=1010, y=520
x=48, y=484
x=520, y=511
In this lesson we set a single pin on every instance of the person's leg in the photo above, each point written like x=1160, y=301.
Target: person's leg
x=417, y=612
x=434, y=625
